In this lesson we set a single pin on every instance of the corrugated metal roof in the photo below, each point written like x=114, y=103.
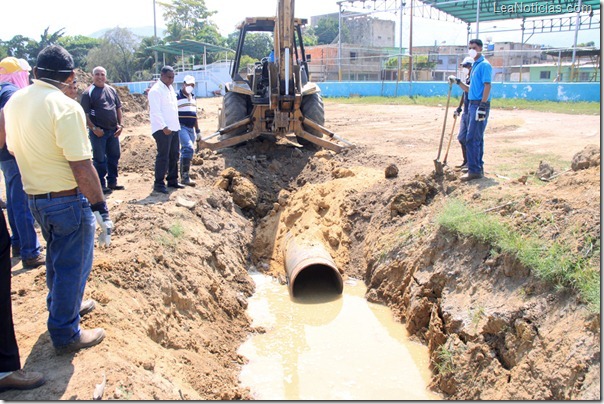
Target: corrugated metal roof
x=491, y=10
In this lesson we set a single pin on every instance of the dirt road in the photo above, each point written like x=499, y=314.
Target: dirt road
x=173, y=286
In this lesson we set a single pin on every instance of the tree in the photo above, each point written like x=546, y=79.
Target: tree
x=144, y=58
x=308, y=36
x=186, y=19
x=115, y=54
x=257, y=44
x=79, y=46
x=326, y=31
x=46, y=39
x=20, y=47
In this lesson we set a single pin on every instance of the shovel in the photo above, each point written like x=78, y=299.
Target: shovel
x=438, y=166
x=450, y=139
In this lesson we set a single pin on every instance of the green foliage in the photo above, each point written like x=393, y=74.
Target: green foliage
x=177, y=230
x=257, y=44
x=420, y=62
x=582, y=108
x=308, y=36
x=79, y=46
x=554, y=262
x=21, y=47
x=444, y=365
x=116, y=54
x=326, y=31
x=186, y=19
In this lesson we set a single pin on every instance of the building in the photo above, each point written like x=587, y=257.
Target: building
x=364, y=31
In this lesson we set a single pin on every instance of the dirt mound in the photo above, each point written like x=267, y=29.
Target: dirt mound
x=588, y=157
x=494, y=330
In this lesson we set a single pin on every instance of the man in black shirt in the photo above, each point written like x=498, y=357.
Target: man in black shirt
x=103, y=110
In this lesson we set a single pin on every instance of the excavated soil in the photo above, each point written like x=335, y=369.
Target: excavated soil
x=172, y=288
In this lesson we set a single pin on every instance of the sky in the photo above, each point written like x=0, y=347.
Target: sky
x=84, y=17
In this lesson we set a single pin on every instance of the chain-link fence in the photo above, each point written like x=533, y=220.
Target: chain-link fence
x=356, y=63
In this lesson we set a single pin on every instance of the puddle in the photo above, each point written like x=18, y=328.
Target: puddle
x=330, y=347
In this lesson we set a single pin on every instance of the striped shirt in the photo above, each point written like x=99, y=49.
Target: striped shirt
x=187, y=109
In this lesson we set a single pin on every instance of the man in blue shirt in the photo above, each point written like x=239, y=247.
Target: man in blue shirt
x=479, y=97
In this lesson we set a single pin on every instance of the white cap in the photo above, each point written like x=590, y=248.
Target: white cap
x=189, y=79
x=467, y=61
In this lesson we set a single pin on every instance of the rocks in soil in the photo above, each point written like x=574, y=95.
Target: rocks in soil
x=245, y=193
x=391, y=171
x=545, y=171
x=413, y=195
x=588, y=157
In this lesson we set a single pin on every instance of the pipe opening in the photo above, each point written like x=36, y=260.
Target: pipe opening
x=317, y=279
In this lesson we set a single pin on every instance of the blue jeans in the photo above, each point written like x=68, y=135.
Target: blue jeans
x=463, y=128
x=475, y=140
x=187, y=142
x=20, y=219
x=166, y=160
x=68, y=227
x=106, y=154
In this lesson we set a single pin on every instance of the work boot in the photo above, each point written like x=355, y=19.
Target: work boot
x=465, y=159
x=87, y=306
x=185, y=166
x=470, y=176
x=87, y=339
x=32, y=263
x=22, y=380
x=16, y=251
x=175, y=185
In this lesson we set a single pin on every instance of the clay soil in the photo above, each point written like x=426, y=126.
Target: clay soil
x=172, y=288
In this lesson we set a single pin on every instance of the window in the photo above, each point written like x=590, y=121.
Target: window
x=353, y=55
x=584, y=76
x=544, y=74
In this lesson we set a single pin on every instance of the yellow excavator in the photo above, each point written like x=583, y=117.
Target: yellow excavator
x=275, y=98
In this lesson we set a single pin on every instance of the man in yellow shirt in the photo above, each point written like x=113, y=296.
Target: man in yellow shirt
x=46, y=131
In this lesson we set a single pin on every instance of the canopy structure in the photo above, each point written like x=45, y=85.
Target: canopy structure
x=471, y=11
x=189, y=47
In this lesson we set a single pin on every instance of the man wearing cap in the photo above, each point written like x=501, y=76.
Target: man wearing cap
x=103, y=110
x=163, y=110
x=14, y=74
x=64, y=192
x=479, y=97
x=466, y=65
x=189, y=128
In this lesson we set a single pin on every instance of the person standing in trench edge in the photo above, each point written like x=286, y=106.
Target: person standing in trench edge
x=163, y=111
x=189, y=128
x=479, y=97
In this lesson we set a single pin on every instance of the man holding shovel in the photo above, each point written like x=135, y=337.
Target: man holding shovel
x=466, y=65
x=479, y=97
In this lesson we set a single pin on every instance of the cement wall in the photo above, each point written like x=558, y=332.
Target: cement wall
x=561, y=92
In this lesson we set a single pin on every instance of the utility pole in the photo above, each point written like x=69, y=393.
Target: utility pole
x=155, y=37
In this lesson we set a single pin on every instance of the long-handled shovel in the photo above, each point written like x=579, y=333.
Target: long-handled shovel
x=438, y=166
x=450, y=139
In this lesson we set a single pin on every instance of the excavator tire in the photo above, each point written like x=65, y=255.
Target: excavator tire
x=235, y=107
x=312, y=108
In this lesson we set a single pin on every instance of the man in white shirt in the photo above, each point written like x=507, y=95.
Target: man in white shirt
x=163, y=109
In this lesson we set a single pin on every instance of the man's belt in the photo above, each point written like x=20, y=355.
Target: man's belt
x=478, y=102
x=51, y=195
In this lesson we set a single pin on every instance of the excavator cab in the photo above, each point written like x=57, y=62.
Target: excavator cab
x=275, y=97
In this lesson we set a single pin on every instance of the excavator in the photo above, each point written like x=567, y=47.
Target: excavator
x=276, y=97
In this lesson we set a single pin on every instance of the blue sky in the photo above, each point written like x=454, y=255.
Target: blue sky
x=138, y=13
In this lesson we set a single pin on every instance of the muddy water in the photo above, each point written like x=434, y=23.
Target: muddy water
x=329, y=347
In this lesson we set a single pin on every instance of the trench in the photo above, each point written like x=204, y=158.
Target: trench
x=320, y=344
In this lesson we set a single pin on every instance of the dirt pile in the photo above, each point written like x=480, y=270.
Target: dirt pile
x=494, y=330
x=588, y=157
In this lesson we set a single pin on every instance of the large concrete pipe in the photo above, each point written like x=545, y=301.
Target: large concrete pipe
x=307, y=261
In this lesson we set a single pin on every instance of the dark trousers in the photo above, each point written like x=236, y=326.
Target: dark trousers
x=106, y=154
x=9, y=351
x=166, y=160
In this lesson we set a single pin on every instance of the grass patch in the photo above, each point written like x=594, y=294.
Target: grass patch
x=177, y=230
x=524, y=162
x=444, y=365
x=552, y=262
x=572, y=108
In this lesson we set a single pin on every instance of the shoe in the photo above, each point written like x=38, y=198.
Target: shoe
x=22, y=380
x=185, y=166
x=32, y=263
x=470, y=176
x=462, y=166
x=107, y=191
x=176, y=185
x=116, y=187
x=87, y=306
x=15, y=251
x=87, y=339
x=464, y=169
x=161, y=189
